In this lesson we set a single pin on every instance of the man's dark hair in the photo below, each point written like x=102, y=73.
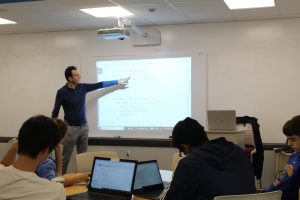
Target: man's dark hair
x=36, y=134
x=68, y=72
x=292, y=126
x=188, y=131
x=62, y=127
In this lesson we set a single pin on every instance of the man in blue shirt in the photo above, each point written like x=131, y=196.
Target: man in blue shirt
x=288, y=181
x=72, y=98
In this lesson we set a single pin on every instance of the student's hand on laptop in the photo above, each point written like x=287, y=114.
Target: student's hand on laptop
x=76, y=178
x=84, y=177
x=58, y=179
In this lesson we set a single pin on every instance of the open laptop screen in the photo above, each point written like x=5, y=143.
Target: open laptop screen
x=222, y=120
x=112, y=175
x=147, y=175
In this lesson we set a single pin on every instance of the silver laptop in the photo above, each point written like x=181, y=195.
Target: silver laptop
x=110, y=180
x=221, y=120
x=148, y=183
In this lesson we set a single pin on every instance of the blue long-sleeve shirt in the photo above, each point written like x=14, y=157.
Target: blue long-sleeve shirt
x=47, y=169
x=73, y=101
x=288, y=181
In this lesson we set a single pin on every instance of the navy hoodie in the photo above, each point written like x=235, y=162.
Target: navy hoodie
x=216, y=168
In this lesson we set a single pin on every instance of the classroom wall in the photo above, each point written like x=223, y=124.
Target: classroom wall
x=252, y=67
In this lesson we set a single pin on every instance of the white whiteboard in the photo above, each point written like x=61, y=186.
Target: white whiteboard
x=197, y=99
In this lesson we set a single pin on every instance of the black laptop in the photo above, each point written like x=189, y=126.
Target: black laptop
x=110, y=180
x=148, y=182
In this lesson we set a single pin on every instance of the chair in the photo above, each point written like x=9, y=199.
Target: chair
x=175, y=160
x=84, y=161
x=254, y=146
x=276, y=195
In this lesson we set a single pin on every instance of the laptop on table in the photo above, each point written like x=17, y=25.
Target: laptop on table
x=110, y=180
x=221, y=120
x=148, y=182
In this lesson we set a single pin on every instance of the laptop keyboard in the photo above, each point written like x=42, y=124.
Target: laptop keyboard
x=95, y=196
x=155, y=194
x=166, y=184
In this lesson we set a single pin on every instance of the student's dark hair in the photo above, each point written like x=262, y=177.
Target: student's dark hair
x=68, y=72
x=36, y=134
x=62, y=127
x=188, y=131
x=292, y=126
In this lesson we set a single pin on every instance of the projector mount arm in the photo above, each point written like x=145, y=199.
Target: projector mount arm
x=123, y=22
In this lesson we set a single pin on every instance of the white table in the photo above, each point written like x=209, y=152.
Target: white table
x=237, y=136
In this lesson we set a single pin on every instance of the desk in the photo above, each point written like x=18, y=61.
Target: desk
x=76, y=189
x=80, y=188
x=237, y=137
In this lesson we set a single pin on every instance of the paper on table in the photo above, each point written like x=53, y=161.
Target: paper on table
x=166, y=175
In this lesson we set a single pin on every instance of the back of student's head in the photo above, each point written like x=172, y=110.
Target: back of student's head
x=188, y=131
x=292, y=126
x=62, y=127
x=36, y=134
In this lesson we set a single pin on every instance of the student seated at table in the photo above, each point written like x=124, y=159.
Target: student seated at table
x=50, y=169
x=38, y=136
x=210, y=167
x=288, y=181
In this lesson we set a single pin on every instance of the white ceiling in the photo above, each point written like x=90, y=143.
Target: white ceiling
x=59, y=15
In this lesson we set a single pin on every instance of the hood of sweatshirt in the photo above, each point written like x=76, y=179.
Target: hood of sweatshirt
x=219, y=153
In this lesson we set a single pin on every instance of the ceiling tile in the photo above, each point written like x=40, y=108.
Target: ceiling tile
x=196, y=5
x=287, y=2
x=286, y=11
x=56, y=15
x=162, y=13
x=262, y=13
x=137, y=2
x=210, y=15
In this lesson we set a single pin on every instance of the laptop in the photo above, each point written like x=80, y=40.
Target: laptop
x=110, y=180
x=221, y=120
x=148, y=182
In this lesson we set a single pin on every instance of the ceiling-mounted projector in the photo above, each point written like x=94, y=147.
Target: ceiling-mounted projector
x=114, y=33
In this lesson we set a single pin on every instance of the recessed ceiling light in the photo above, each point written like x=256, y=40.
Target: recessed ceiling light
x=115, y=11
x=244, y=4
x=6, y=21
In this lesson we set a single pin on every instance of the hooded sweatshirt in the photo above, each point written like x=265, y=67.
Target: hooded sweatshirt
x=216, y=168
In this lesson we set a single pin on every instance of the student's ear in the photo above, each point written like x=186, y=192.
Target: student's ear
x=45, y=151
x=186, y=149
